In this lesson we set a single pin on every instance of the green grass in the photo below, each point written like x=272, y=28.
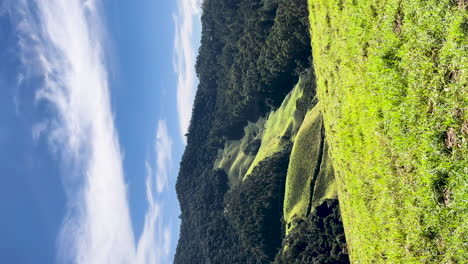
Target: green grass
x=325, y=184
x=304, y=163
x=233, y=158
x=275, y=132
x=280, y=128
x=392, y=80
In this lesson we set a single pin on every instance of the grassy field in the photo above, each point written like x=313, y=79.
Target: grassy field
x=234, y=158
x=325, y=184
x=392, y=81
x=309, y=164
x=304, y=161
x=274, y=133
x=280, y=128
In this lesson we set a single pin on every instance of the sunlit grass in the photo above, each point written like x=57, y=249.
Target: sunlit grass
x=392, y=80
x=234, y=159
x=275, y=132
x=280, y=128
x=308, y=158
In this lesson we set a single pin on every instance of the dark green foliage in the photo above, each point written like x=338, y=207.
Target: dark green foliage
x=206, y=236
x=286, y=52
x=308, y=99
x=319, y=239
x=255, y=207
x=253, y=147
x=261, y=48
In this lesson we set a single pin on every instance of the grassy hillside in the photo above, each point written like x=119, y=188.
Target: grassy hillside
x=308, y=164
x=280, y=128
x=238, y=155
x=325, y=185
x=268, y=135
x=261, y=139
x=392, y=80
x=310, y=179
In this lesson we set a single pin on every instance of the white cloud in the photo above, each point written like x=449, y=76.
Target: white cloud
x=185, y=58
x=163, y=156
x=146, y=248
x=153, y=225
x=63, y=46
x=148, y=243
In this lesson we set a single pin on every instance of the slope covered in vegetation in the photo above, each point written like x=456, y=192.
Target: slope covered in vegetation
x=255, y=207
x=310, y=177
x=316, y=239
x=242, y=78
x=253, y=53
x=392, y=79
x=280, y=128
x=270, y=134
x=237, y=155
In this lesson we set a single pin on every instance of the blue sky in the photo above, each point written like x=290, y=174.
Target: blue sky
x=96, y=98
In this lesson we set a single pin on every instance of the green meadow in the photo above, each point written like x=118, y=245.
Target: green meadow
x=310, y=177
x=392, y=82
x=236, y=158
x=280, y=128
x=261, y=139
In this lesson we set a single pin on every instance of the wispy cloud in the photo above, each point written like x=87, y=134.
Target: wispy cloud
x=155, y=240
x=163, y=156
x=184, y=59
x=155, y=234
x=61, y=42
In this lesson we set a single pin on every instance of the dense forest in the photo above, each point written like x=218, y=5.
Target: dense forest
x=255, y=207
x=251, y=56
x=317, y=239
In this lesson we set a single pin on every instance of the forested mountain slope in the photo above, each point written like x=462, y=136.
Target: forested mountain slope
x=251, y=56
x=378, y=118
x=244, y=123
